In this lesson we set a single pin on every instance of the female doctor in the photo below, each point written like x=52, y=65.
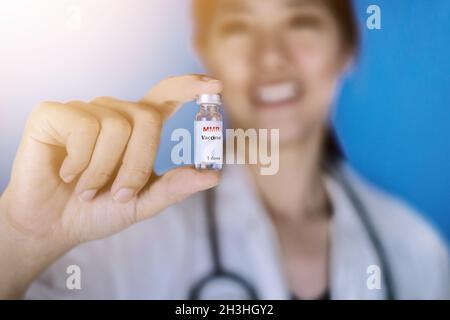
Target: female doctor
x=315, y=230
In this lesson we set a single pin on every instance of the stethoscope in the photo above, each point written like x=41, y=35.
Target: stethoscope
x=221, y=283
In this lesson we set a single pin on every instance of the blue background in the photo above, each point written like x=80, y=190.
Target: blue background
x=393, y=114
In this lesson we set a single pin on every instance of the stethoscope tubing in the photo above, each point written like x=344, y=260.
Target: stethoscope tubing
x=364, y=216
x=218, y=270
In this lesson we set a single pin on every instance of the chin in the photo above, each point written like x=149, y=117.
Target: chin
x=291, y=135
x=289, y=132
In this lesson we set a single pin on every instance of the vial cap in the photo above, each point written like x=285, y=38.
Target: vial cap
x=209, y=99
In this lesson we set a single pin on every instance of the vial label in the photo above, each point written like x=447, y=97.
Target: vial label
x=208, y=142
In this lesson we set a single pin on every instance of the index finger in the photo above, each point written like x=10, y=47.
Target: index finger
x=171, y=93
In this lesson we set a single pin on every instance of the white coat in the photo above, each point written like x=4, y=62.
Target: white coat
x=162, y=258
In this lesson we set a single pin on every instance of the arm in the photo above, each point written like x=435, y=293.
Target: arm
x=83, y=171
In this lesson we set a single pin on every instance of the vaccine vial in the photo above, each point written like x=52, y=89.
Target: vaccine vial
x=208, y=136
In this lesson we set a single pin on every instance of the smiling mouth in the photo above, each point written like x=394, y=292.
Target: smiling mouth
x=276, y=95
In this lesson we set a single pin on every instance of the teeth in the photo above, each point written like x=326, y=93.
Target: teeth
x=277, y=93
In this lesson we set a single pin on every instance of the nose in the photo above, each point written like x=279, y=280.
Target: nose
x=270, y=52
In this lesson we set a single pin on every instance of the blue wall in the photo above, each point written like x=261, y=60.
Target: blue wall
x=394, y=114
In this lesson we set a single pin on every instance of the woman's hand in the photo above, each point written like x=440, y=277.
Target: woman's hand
x=84, y=171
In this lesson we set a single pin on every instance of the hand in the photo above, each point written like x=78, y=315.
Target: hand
x=84, y=170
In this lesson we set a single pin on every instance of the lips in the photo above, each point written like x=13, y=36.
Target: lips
x=276, y=94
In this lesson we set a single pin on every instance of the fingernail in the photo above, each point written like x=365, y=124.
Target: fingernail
x=124, y=195
x=204, y=185
x=209, y=79
x=212, y=184
x=87, y=195
x=68, y=178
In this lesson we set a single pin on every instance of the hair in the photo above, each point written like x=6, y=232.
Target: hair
x=343, y=12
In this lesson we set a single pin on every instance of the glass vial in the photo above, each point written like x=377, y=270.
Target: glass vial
x=208, y=136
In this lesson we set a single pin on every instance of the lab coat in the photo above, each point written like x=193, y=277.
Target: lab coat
x=162, y=257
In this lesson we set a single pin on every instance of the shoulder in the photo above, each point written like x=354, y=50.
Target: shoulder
x=419, y=254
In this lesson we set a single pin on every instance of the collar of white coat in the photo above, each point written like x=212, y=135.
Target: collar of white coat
x=351, y=254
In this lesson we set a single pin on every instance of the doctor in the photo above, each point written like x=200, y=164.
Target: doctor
x=82, y=195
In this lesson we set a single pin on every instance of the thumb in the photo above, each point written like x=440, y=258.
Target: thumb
x=174, y=186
